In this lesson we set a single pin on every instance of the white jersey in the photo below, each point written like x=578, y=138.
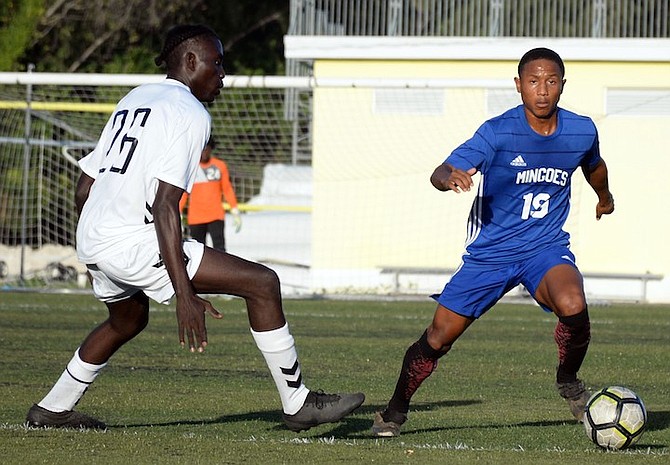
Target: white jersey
x=156, y=133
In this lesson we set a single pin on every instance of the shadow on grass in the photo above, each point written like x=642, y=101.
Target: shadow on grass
x=408, y=431
x=270, y=416
x=349, y=426
x=658, y=421
x=355, y=427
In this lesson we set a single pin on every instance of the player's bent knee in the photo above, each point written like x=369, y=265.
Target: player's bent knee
x=129, y=317
x=439, y=339
x=569, y=306
x=446, y=327
x=130, y=327
x=266, y=281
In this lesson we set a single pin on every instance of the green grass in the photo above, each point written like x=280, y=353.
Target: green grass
x=491, y=401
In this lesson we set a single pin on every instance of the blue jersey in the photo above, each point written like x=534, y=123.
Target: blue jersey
x=523, y=199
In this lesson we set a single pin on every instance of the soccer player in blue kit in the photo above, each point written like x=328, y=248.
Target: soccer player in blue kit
x=526, y=158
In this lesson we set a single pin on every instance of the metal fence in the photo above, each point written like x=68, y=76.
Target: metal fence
x=482, y=18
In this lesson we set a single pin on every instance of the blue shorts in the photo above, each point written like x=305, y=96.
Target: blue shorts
x=476, y=287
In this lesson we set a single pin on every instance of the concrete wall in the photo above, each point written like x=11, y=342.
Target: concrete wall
x=373, y=205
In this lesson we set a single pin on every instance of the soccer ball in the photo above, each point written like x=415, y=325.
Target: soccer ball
x=615, y=417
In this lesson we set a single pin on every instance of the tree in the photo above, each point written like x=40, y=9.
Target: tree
x=104, y=35
x=253, y=34
x=123, y=36
x=18, y=20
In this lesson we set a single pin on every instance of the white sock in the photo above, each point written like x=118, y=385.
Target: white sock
x=278, y=349
x=71, y=385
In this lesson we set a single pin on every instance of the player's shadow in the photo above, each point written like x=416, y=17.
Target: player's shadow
x=358, y=424
x=351, y=426
x=357, y=427
x=658, y=421
x=269, y=416
x=441, y=428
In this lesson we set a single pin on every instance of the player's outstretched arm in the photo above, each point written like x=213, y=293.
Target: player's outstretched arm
x=191, y=309
x=446, y=177
x=597, y=178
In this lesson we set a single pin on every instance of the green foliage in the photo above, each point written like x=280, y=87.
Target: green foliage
x=252, y=33
x=138, y=60
x=18, y=21
x=86, y=35
x=123, y=36
x=491, y=400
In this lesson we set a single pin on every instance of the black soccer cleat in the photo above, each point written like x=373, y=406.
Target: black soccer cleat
x=320, y=408
x=39, y=417
x=576, y=394
x=390, y=426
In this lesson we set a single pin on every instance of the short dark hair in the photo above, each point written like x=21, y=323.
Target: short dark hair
x=541, y=53
x=211, y=142
x=178, y=35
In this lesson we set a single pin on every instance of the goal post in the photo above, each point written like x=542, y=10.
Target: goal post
x=355, y=201
x=48, y=121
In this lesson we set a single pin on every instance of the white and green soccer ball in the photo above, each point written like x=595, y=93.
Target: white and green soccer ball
x=615, y=418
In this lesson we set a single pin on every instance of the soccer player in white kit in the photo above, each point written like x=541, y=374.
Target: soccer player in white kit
x=129, y=236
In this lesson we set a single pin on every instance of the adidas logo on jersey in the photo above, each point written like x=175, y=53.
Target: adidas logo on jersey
x=518, y=161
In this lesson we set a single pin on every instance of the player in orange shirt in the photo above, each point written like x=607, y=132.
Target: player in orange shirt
x=205, y=208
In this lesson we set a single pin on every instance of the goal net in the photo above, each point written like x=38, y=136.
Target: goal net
x=332, y=175
x=49, y=121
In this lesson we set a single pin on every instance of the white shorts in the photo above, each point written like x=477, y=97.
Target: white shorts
x=140, y=268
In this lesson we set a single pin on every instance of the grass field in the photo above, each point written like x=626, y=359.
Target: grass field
x=491, y=400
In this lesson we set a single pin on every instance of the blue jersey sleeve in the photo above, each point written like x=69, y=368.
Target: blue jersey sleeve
x=592, y=157
x=476, y=151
